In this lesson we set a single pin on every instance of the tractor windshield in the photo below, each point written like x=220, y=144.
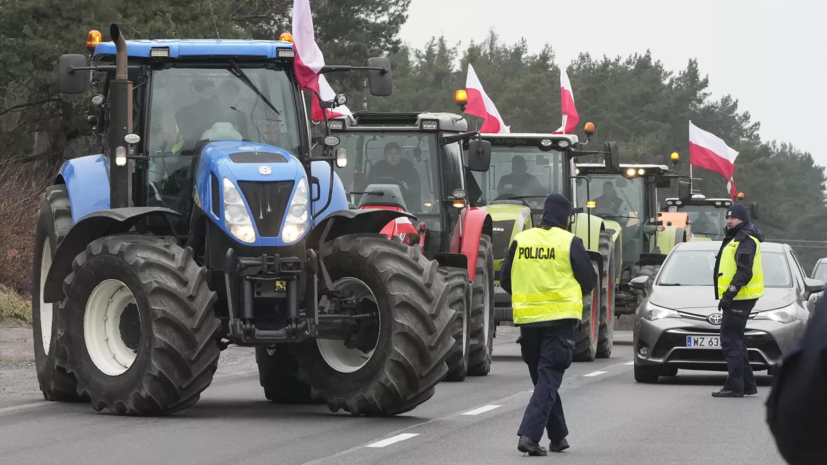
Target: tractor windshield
x=706, y=220
x=192, y=105
x=521, y=173
x=615, y=197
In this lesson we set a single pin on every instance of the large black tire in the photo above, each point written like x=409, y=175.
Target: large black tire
x=458, y=299
x=415, y=329
x=649, y=271
x=607, y=297
x=53, y=224
x=586, y=333
x=482, y=311
x=279, y=375
x=175, y=348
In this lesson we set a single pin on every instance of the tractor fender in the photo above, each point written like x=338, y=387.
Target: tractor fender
x=588, y=229
x=475, y=222
x=93, y=226
x=344, y=222
x=87, y=182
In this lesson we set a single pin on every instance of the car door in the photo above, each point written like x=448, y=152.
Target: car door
x=800, y=276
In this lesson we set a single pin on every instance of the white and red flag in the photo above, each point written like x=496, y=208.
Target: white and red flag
x=309, y=59
x=480, y=105
x=327, y=94
x=708, y=151
x=570, y=117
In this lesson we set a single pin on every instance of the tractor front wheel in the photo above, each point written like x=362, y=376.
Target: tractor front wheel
x=586, y=333
x=138, y=326
x=411, y=333
x=482, y=311
x=458, y=299
x=607, y=297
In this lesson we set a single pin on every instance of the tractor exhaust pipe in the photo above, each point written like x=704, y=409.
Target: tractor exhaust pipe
x=120, y=179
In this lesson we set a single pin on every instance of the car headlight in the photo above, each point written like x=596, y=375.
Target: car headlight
x=295, y=225
x=782, y=315
x=236, y=218
x=653, y=312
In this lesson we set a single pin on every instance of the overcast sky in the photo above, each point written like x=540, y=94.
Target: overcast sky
x=771, y=55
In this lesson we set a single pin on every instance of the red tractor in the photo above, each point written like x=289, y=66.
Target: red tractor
x=414, y=162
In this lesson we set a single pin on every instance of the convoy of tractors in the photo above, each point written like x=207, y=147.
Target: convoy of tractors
x=363, y=274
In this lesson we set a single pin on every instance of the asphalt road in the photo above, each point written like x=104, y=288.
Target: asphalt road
x=612, y=420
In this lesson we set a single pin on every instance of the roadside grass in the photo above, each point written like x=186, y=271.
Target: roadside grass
x=14, y=308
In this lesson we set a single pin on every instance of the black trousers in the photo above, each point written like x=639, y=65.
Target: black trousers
x=548, y=352
x=733, y=326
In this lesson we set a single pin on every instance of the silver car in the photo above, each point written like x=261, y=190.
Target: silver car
x=678, y=324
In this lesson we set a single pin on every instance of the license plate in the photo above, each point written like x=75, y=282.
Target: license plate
x=281, y=286
x=703, y=342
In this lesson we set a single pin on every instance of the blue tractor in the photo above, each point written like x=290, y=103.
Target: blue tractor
x=208, y=221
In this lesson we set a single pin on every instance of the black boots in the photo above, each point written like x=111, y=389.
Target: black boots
x=530, y=447
x=559, y=447
x=727, y=393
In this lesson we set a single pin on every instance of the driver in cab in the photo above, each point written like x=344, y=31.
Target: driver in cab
x=609, y=199
x=520, y=181
x=395, y=167
x=195, y=120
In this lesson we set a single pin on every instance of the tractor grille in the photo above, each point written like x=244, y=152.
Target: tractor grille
x=268, y=203
x=502, y=238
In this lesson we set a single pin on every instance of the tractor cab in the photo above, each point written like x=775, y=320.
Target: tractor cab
x=628, y=202
x=410, y=162
x=707, y=216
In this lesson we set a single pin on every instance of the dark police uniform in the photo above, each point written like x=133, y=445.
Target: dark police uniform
x=547, y=272
x=739, y=283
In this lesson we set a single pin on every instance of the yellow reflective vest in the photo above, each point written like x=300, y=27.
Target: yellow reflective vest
x=543, y=286
x=727, y=268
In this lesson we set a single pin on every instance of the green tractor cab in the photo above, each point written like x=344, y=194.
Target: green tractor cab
x=525, y=169
x=627, y=203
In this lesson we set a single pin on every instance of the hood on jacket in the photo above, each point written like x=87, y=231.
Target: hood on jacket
x=556, y=211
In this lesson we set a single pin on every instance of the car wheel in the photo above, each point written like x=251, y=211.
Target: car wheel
x=645, y=375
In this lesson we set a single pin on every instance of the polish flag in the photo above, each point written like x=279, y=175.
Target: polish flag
x=309, y=59
x=708, y=151
x=327, y=94
x=481, y=106
x=570, y=117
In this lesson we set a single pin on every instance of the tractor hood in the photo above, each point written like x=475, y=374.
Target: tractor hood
x=252, y=162
x=700, y=300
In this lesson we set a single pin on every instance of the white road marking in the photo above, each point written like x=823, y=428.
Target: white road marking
x=483, y=409
x=630, y=363
x=594, y=373
x=393, y=440
x=32, y=405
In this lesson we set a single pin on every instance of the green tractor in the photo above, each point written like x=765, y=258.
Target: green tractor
x=627, y=202
x=525, y=169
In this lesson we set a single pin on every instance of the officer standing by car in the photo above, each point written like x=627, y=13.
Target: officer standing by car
x=547, y=272
x=739, y=283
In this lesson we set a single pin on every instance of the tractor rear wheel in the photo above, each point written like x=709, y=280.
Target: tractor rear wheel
x=585, y=349
x=138, y=326
x=458, y=298
x=413, y=337
x=278, y=372
x=607, y=297
x=53, y=224
x=482, y=311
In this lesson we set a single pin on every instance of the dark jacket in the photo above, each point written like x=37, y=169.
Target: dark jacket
x=581, y=264
x=405, y=172
x=797, y=406
x=744, y=257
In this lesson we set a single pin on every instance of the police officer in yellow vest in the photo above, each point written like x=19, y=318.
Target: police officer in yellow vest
x=547, y=272
x=739, y=283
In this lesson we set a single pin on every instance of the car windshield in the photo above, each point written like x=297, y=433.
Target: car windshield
x=820, y=272
x=706, y=220
x=191, y=105
x=695, y=268
x=525, y=173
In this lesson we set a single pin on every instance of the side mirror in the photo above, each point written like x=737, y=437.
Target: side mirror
x=478, y=156
x=753, y=210
x=381, y=82
x=612, y=157
x=813, y=286
x=684, y=191
x=640, y=283
x=71, y=80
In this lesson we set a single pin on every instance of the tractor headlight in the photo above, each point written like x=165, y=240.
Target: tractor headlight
x=295, y=225
x=236, y=218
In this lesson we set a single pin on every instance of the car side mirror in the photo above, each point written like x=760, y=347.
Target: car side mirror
x=641, y=283
x=381, y=82
x=611, y=156
x=71, y=80
x=813, y=286
x=478, y=155
x=684, y=191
